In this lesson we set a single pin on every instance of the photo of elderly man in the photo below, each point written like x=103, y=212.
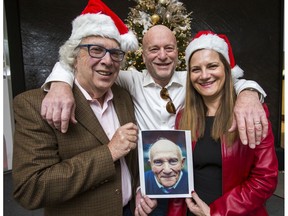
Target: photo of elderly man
x=167, y=174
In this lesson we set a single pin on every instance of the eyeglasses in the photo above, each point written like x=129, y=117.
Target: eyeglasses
x=169, y=106
x=96, y=51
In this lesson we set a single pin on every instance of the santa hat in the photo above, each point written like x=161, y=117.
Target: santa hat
x=217, y=42
x=99, y=19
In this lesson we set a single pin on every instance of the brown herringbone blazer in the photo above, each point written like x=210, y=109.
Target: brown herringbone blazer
x=71, y=173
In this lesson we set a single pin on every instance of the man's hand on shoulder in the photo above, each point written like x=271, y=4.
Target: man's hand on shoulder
x=58, y=106
x=250, y=117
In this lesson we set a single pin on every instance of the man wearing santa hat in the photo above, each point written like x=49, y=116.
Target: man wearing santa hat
x=92, y=169
x=145, y=87
x=153, y=89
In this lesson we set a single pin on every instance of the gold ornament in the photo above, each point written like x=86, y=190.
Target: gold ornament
x=163, y=2
x=155, y=18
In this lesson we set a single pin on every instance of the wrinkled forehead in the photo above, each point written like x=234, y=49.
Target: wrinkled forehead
x=164, y=147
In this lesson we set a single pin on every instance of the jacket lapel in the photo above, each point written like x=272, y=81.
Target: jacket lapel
x=86, y=117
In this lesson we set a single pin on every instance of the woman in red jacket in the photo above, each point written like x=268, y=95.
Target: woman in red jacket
x=229, y=178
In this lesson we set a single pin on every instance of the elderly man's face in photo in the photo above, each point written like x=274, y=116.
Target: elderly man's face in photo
x=166, y=162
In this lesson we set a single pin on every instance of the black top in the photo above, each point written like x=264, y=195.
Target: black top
x=207, y=162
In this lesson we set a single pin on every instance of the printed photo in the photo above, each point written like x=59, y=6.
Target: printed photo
x=165, y=163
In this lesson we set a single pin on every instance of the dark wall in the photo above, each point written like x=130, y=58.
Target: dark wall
x=255, y=29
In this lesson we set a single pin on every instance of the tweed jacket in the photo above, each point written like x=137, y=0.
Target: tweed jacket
x=71, y=173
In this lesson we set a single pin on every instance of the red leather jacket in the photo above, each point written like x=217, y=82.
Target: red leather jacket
x=249, y=179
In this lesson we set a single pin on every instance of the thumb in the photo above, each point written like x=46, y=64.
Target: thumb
x=72, y=118
x=198, y=201
x=196, y=197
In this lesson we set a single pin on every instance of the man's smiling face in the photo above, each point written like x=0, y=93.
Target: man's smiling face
x=166, y=162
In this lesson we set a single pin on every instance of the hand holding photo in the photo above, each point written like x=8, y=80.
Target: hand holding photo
x=165, y=163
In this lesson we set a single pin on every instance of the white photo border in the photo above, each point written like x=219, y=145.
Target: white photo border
x=183, y=139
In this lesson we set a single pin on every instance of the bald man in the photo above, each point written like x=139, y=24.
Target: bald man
x=160, y=55
x=167, y=174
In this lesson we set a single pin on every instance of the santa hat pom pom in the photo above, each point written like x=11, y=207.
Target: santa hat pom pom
x=129, y=41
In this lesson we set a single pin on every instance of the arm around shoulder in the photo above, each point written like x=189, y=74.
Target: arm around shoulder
x=243, y=84
x=59, y=74
x=58, y=107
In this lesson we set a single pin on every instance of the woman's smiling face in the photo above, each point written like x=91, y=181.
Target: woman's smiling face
x=207, y=73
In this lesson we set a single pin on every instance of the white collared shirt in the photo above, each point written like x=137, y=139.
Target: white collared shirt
x=150, y=108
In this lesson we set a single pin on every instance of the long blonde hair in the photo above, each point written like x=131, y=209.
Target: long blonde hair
x=194, y=113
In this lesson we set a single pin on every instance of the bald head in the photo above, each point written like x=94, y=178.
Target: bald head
x=164, y=145
x=158, y=32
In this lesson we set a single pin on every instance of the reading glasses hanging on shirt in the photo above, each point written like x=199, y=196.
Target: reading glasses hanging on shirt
x=169, y=106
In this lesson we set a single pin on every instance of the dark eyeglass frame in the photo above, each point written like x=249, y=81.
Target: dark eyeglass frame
x=169, y=106
x=112, y=52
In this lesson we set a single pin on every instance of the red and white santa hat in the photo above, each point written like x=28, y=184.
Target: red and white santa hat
x=98, y=19
x=217, y=42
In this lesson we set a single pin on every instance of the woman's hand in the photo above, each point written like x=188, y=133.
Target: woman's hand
x=197, y=206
